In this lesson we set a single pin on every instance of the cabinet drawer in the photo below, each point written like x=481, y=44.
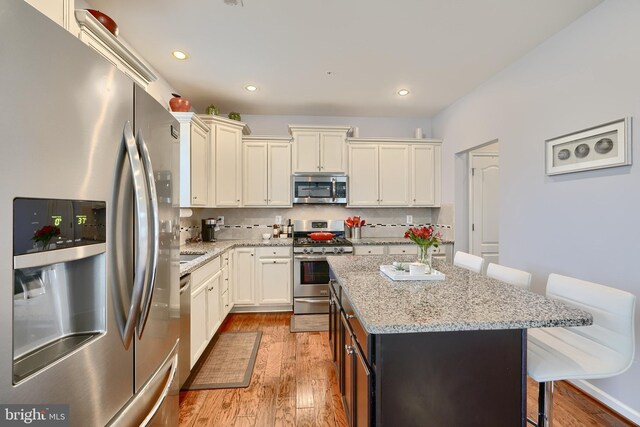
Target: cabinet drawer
x=274, y=252
x=368, y=250
x=403, y=250
x=204, y=272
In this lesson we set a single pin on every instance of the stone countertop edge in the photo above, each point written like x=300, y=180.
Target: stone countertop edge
x=387, y=307
x=365, y=241
x=212, y=250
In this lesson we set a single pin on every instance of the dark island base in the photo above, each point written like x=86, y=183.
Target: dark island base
x=471, y=378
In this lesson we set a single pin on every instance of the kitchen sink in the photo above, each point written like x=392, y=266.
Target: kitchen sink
x=184, y=258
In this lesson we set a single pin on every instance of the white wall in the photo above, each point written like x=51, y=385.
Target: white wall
x=369, y=126
x=584, y=224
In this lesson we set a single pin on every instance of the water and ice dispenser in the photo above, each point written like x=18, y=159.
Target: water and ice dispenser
x=59, y=280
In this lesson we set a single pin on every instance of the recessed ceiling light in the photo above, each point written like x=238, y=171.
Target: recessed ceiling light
x=403, y=92
x=178, y=54
x=251, y=88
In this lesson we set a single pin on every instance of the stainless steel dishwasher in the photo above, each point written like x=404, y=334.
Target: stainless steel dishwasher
x=185, y=329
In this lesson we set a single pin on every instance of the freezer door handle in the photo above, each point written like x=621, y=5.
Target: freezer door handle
x=165, y=391
x=128, y=321
x=153, y=241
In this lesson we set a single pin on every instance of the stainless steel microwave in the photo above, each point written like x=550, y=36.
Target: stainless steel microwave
x=319, y=189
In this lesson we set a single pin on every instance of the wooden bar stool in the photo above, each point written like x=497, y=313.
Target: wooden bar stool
x=470, y=262
x=601, y=350
x=513, y=276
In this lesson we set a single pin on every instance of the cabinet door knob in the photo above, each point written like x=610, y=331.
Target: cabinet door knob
x=349, y=350
x=195, y=197
x=274, y=262
x=350, y=316
x=238, y=200
x=414, y=200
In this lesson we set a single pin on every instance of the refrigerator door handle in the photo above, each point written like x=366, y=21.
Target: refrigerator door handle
x=153, y=241
x=142, y=228
x=165, y=391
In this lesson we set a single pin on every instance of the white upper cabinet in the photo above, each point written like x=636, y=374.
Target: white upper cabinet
x=267, y=171
x=363, y=175
x=225, y=180
x=393, y=184
x=194, y=160
x=255, y=174
x=279, y=189
x=94, y=34
x=319, y=149
x=425, y=175
x=394, y=172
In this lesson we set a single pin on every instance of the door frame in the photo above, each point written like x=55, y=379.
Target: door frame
x=473, y=154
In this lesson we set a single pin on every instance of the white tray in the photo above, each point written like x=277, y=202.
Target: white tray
x=394, y=274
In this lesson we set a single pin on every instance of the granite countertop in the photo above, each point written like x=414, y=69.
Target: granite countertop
x=212, y=250
x=465, y=301
x=386, y=241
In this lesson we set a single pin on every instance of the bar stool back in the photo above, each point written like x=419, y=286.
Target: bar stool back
x=470, y=262
x=513, y=276
x=602, y=350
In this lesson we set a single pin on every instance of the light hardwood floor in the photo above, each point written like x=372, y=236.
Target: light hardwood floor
x=294, y=384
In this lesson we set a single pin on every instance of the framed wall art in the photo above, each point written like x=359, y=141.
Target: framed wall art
x=603, y=146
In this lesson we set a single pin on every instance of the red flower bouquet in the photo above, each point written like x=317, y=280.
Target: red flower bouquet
x=45, y=234
x=424, y=237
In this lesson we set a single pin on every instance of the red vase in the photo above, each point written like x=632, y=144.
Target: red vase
x=179, y=104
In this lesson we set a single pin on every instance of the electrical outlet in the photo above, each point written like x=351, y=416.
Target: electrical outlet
x=220, y=220
x=278, y=219
x=410, y=219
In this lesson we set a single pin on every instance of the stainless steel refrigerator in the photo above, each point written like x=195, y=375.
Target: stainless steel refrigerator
x=89, y=253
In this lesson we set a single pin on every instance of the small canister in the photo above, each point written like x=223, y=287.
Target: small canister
x=356, y=233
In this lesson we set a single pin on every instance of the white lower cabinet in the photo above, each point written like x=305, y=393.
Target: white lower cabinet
x=274, y=281
x=206, y=307
x=214, y=309
x=368, y=250
x=198, y=323
x=263, y=278
x=403, y=250
x=243, y=281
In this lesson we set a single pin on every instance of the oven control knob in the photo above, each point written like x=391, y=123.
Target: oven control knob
x=305, y=250
x=336, y=250
x=341, y=250
x=324, y=251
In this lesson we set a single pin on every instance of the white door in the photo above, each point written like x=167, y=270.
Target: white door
x=199, y=166
x=363, y=175
x=213, y=305
x=274, y=281
x=254, y=180
x=333, y=151
x=424, y=171
x=394, y=175
x=228, y=173
x=279, y=189
x=243, y=264
x=484, y=203
x=306, y=152
x=198, y=323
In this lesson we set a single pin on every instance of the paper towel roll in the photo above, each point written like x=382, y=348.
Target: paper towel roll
x=419, y=133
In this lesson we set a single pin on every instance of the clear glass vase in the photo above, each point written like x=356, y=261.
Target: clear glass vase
x=424, y=257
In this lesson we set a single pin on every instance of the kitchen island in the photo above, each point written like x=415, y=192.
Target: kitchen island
x=434, y=353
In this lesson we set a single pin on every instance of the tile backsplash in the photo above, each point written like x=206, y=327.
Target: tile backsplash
x=251, y=223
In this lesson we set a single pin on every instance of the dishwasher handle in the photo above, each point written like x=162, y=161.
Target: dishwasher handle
x=185, y=283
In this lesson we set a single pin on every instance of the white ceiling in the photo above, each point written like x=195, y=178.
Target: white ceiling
x=438, y=49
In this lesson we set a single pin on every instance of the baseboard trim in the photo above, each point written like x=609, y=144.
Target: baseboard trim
x=261, y=309
x=608, y=400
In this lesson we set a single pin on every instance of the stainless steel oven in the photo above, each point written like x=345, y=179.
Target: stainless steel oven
x=319, y=189
x=310, y=267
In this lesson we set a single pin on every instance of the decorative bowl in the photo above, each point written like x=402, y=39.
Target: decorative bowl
x=105, y=20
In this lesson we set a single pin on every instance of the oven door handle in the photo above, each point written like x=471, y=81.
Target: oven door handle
x=313, y=301
x=310, y=257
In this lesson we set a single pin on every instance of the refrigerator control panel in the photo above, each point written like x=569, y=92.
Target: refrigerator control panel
x=49, y=224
